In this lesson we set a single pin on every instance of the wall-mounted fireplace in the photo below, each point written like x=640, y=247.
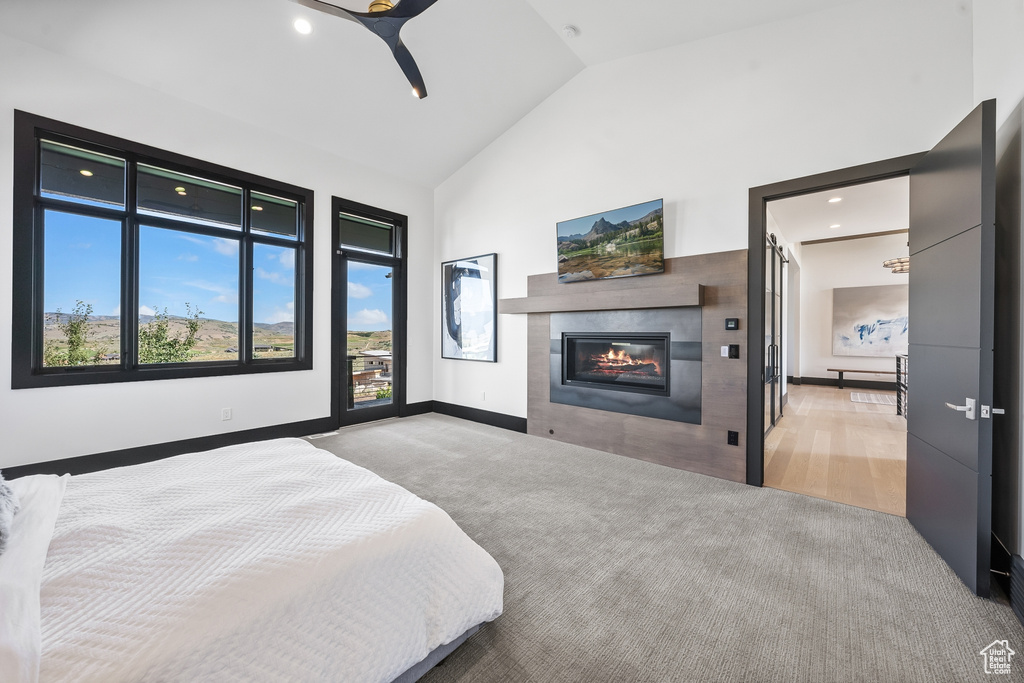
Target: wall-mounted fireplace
x=643, y=362
x=617, y=362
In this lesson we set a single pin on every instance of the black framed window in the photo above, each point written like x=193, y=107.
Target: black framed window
x=132, y=263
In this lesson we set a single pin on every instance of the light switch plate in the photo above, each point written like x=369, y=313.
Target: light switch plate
x=725, y=352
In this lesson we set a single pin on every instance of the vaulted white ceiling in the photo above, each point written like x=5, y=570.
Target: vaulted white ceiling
x=486, y=63
x=611, y=30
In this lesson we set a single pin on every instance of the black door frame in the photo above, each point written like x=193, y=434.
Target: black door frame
x=757, y=232
x=339, y=311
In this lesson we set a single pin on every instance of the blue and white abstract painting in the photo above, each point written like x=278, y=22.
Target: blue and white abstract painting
x=870, y=321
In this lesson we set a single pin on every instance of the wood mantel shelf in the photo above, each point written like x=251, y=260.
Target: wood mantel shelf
x=607, y=300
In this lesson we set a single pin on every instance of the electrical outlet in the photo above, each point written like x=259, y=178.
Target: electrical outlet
x=734, y=438
x=225, y=413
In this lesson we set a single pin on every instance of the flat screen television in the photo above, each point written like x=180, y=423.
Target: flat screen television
x=617, y=243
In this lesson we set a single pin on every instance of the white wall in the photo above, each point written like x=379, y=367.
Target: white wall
x=823, y=267
x=999, y=73
x=999, y=54
x=51, y=423
x=698, y=124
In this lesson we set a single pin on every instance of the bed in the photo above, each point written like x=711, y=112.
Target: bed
x=261, y=562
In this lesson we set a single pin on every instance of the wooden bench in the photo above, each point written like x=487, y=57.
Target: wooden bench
x=871, y=372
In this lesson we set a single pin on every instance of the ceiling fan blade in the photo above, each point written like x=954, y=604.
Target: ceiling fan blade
x=409, y=8
x=328, y=8
x=409, y=68
x=385, y=25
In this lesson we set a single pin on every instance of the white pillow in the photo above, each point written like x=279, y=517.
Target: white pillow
x=21, y=571
x=8, y=506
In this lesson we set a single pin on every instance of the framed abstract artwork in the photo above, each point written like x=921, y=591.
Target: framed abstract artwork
x=469, y=308
x=870, y=321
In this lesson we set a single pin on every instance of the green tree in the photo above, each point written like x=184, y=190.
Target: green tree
x=75, y=328
x=157, y=346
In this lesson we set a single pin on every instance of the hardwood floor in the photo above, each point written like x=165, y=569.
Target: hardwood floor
x=829, y=447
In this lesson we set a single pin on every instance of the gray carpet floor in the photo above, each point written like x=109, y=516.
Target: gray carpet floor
x=622, y=570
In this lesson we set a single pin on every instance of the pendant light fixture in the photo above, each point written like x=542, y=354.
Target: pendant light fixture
x=898, y=265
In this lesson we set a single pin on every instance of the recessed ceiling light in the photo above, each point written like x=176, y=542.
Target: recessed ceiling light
x=836, y=225
x=257, y=207
x=86, y=172
x=835, y=199
x=303, y=26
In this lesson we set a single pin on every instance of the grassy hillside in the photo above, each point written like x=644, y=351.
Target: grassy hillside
x=369, y=341
x=216, y=340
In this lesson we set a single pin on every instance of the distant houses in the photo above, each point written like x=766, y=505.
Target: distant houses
x=370, y=371
x=377, y=360
x=261, y=348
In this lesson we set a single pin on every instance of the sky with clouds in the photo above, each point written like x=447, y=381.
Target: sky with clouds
x=83, y=256
x=369, y=297
x=175, y=268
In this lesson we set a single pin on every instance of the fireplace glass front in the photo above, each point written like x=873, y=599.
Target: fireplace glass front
x=620, y=362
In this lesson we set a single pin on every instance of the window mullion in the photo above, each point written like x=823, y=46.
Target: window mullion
x=245, y=297
x=81, y=209
x=275, y=241
x=38, y=280
x=180, y=226
x=130, y=275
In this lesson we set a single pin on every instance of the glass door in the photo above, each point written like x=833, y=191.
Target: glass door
x=769, y=338
x=773, y=271
x=780, y=264
x=369, y=313
x=369, y=338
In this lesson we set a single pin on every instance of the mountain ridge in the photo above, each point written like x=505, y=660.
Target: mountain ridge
x=603, y=227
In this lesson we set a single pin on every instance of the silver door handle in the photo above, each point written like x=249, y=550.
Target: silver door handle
x=968, y=409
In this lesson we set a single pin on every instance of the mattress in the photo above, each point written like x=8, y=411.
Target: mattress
x=260, y=562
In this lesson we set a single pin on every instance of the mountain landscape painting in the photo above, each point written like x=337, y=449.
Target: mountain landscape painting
x=618, y=243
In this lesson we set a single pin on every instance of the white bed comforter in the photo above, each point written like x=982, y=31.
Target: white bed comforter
x=263, y=562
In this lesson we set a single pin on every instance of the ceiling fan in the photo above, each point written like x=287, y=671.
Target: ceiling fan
x=385, y=19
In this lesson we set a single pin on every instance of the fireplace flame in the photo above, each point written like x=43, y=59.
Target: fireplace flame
x=616, y=364
x=613, y=360
x=620, y=357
